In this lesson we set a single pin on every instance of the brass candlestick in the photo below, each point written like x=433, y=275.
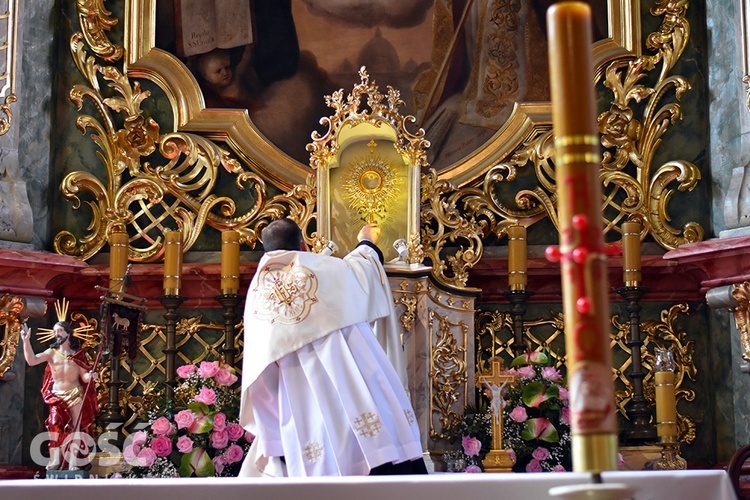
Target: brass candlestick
x=229, y=301
x=518, y=299
x=666, y=412
x=637, y=409
x=171, y=303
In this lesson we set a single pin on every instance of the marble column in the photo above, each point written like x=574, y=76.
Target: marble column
x=16, y=220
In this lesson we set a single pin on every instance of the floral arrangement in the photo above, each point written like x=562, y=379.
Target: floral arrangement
x=536, y=428
x=536, y=422
x=474, y=430
x=197, y=434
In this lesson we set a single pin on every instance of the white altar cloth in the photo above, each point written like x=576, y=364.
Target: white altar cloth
x=651, y=485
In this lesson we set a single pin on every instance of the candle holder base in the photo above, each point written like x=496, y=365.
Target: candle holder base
x=171, y=303
x=595, y=491
x=670, y=457
x=497, y=461
x=638, y=411
x=518, y=298
x=229, y=301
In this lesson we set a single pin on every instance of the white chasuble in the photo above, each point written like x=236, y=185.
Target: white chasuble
x=317, y=387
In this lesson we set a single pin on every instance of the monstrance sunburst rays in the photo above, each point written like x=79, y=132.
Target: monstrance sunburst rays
x=371, y=186
x=82, y=332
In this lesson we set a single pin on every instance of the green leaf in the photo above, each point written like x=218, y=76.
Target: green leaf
x=541, y=429
x=536, y=393
x=196, y=463
x=204, y=420
x=530, y=358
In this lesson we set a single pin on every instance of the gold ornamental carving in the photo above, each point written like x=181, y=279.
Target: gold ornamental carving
x=174, y=188
x=368, y=166
x=741, y=294
x=349, y=110
x=96, y=21
x=196, y=340
x=661, y=334
x=409, y=317
x=8, y=57
x=462, y=208
x=494, y=330
x=11, y=308
x=458, y=220
x=447, y=371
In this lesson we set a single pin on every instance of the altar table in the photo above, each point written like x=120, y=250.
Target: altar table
x=651, y=485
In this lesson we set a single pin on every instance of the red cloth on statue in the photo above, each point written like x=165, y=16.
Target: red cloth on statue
x=59, y=422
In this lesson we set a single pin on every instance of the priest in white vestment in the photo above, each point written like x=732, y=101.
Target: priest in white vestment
x=318, y=391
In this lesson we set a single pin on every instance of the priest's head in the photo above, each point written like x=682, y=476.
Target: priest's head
x=282, y=234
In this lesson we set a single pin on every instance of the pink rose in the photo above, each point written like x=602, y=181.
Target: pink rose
x=161, y=426
x=511, y=454
x=563, y=393
x=185, y=371
x=558, y=468
x=234, y=454
x=540, y=453
x=219, y=463
x=184, y=444
x=220, y=422
x=249, y=437
x=225, y=377
x=206, y=395
x=471, y=445
x=235, y=431
x=219, y=439
x=208, y=369
x=129, y=454
x=550, y=373
x=565, y=416
x=526, y=372
x=184, y=419
x=162, y=446
x=519, y=414
x=146, y=457
x=534, y=466
x=473, y=469
x=138, y=438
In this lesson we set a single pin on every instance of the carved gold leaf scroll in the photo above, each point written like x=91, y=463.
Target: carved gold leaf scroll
x=10, y=329
x=741, y=294
x=456, y=221
x=175, y=187
x=349, y=110
x=95, y=22
x=447, y=370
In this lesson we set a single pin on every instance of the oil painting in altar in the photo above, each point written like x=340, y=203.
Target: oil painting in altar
x=460, y=65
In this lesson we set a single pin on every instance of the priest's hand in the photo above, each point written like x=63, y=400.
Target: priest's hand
x=370, y=232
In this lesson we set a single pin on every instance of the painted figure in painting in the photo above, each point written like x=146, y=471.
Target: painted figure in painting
x=460, y=65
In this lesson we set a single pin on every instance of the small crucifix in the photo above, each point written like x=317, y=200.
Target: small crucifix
x=497, y=460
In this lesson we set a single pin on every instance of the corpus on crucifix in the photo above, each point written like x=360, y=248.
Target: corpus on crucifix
x=497, y=459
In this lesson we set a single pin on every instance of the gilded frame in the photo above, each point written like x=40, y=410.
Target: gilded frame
x=144, y=60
